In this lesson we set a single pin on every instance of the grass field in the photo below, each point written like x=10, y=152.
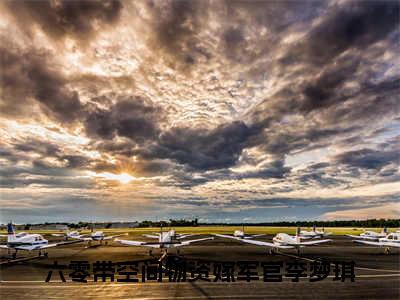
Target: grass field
x=219, y=229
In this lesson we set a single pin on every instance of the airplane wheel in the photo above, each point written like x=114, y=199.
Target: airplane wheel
x=46, y=254
x=105, y=243
x=150, y=252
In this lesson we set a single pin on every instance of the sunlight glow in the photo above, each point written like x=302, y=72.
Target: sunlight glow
x=122, y=178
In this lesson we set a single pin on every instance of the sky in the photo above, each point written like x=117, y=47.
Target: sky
x=225, y=111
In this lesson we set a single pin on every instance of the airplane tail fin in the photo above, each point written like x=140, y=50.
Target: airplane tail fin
x=314, y=228
x=385, y=230
x=10, y=233
x=298, y=234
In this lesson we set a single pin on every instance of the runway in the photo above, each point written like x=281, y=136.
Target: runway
x=377, y=275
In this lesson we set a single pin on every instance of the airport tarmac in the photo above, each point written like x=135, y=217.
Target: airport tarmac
x=377, y=274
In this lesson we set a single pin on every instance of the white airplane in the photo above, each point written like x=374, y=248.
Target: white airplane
x=241, y=235
x=304, y=234
x=165, y=240
x=370, y=235
x=172, y=233
x=69, y=235
x=280, y=241
x=98, y=236
x=26, y=242
x=392, y=240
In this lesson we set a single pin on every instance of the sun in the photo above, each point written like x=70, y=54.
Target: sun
x=123, y=178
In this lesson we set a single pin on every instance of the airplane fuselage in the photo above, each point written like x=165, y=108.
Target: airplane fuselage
x=239, y=234
x=26, y=240
x=97, y=236
x=284, y=239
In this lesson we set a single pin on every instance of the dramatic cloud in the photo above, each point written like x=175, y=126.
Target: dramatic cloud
x=213, y=109
x=58, y=19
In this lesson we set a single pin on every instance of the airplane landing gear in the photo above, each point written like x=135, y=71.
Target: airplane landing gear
x=298, y=251
x=387, y=250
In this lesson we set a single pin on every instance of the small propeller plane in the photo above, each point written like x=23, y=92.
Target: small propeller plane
x=304, y=234
x=27, y=242
x=69, y=235
x=370, y=235
x=98, y=236
x=168, y=239
x=241, y=235
x=392, y=240
x=280, y=241
x=174, y=236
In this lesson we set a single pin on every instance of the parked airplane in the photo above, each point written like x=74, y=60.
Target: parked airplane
x=165, y=240
x=99, y=236
x=392, y=240
x=313, y=234
x=280, y=241
x=27, y=242
x=174, y=236
x=69, y=234
x=241, y=235
x=370, y=235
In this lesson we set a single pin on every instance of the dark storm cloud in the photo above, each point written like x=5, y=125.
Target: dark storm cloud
x=324, y=91
x=355, y=24
x=202, y=149
x=176, y=24
x=77, y=19
x=38, y=146
x=27, y=75
x=374, y=101
x=368, y=158
x=133, y=118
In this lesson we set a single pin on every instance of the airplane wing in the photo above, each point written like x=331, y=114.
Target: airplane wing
x=314, y=242
x=137, y=243
x=152, y=236
x=254, y=236
x=306, y=237
x=254, y=242
x=182, y=236
x=265, y=244
x=112, y=236
x=383, y=244
x=228, y=237
x=37, y=247
x=369, y=238
x=185, y=243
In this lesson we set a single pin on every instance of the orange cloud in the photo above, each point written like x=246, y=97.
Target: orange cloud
x=387, y=211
